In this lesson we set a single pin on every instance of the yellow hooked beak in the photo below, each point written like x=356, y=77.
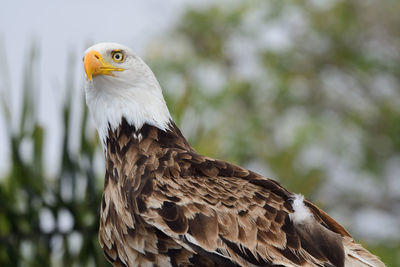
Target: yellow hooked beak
x=95, y=65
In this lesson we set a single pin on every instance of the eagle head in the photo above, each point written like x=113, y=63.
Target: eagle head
x=120, y=85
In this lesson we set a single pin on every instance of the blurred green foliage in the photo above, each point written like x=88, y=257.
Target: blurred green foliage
x=30, y=198
x=295, y=90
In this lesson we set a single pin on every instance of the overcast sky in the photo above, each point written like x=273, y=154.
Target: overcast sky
x=63, y=27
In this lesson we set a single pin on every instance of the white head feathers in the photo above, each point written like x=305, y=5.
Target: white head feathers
x=133, y=93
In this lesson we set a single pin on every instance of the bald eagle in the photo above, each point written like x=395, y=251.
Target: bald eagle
x=166, y=205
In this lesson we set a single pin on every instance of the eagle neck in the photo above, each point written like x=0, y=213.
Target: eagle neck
x=147, y=140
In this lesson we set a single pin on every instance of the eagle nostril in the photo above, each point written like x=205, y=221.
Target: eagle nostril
x=96, y=56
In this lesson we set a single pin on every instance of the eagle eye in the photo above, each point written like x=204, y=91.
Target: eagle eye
x=118, y=56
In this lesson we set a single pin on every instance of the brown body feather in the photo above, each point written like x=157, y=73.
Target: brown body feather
x=165, y=205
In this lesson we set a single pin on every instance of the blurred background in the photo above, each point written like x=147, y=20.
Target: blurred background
x=306, y=92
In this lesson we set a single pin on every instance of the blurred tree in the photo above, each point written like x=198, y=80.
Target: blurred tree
x=305, y=92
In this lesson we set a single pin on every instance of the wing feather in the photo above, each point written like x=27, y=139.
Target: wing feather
x=224, y=207
x=164, y=204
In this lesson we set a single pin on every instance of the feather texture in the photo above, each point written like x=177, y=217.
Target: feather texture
x=166, y=205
